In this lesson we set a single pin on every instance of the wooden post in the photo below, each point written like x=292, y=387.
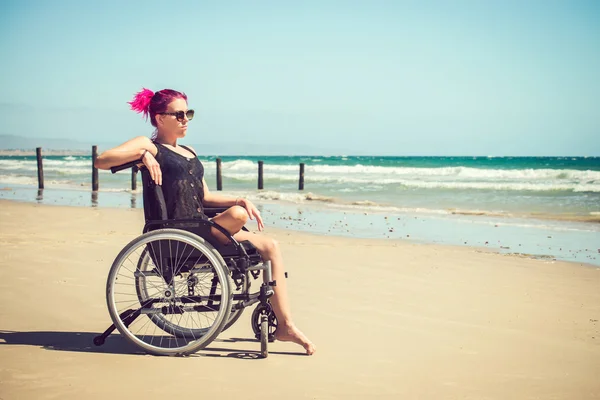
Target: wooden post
x=301, y=179
x=133, y=200
x=134, y=171
x=94, y=169
x=38, y=153
x=219, y=177
x=260, y=175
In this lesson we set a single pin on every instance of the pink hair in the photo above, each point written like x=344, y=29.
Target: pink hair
x=141, y=102
x=150, y=103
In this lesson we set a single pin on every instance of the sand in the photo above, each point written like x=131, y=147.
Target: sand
x=391, y=320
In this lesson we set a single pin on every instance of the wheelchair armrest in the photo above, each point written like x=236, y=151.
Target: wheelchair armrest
x=121, y=167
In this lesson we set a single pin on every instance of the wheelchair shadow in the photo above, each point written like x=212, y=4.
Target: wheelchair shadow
x=114, y=344
x=67, y=341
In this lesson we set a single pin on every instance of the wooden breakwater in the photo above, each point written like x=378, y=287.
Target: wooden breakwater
x=134, y=171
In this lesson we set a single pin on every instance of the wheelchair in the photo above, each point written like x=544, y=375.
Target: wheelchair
x=175, y=288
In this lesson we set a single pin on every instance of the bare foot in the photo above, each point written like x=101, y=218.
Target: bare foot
x=290, y=333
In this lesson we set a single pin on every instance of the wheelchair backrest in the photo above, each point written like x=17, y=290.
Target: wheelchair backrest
x=155, y=207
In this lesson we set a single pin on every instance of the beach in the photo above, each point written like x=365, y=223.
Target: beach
x=390, y=318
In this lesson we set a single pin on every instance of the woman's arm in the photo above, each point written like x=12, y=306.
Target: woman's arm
x=139, y=147
x=217, y=200
x=126, y=152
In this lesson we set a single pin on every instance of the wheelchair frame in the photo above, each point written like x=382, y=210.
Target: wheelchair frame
x=168, y=266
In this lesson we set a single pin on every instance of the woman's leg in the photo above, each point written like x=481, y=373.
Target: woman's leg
x=233, y=220
x=286, y=329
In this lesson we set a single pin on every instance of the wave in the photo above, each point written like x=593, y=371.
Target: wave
x=367, y=207
x=18, y=180
x=118, y=190
x=57, y=166
x=459, y=172
x=246, y=169
x=239, y=165
x=52, y=162
x=359, y=205
x=423, y=184
x=31, y=180
x=525, y=187
x=293, y=197
x=355, y=178
x=60, y=184
x=57, y=170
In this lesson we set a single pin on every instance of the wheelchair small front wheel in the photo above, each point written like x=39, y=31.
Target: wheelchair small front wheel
x=98, y=341
x=260, y=311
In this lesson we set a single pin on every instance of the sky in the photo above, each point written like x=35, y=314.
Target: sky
x=501, y=78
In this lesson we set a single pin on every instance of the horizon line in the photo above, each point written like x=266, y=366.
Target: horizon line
x=32, y=151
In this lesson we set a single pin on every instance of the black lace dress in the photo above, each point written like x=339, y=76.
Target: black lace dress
x=181, y=186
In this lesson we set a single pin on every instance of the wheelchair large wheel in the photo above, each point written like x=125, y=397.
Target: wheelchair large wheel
x=145, y=265
x=168, y=292
x=146, y=289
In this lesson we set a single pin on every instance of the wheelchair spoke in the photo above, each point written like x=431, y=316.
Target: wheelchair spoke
x=177, y=258
x=131, y=273
x=177, y=286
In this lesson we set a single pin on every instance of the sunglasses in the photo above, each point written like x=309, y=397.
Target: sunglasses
x=180, y=115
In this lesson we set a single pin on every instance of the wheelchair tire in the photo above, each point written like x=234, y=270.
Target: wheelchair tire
x=264, y=336
x=178, y=285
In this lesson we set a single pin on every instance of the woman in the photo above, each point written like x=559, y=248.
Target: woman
x=186, y=192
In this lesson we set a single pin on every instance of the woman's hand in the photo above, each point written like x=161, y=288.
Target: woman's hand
x=252, y=212
x=153, y=167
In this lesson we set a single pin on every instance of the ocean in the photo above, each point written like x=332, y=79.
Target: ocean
x=453, y=199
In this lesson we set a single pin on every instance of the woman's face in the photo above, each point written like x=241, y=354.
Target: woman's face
x=169, y=124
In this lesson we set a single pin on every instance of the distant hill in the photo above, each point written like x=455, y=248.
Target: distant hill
x=21, y=144
x=13, y=142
